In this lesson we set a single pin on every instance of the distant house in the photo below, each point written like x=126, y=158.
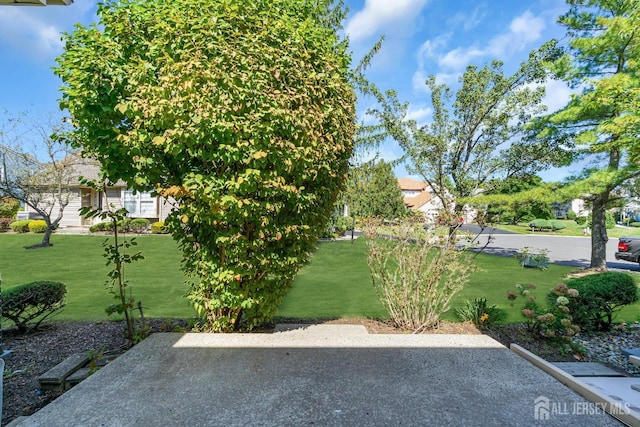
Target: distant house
x=139, y=205
x=418, y=196
x=578, y=206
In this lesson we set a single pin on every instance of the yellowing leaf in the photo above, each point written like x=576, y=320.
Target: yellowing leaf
x=159, y=140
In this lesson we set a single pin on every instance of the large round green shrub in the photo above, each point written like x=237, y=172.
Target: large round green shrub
x=601, y=295
x=242, y=111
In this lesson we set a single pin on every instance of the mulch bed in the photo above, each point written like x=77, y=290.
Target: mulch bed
x=37, y=352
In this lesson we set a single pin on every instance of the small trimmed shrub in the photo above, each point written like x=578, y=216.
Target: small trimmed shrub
x=581, y=220
x=139, y=225
x=571, y=215
x=478, y=312
x=541, y=224
x=601, y=295
x=124, y=225
x=5, y=224
x=159, y=228
x=21, y=226
x=634, y=224
x=557, y=225
x=38, y=226
x=101, y=227
x=32, y=303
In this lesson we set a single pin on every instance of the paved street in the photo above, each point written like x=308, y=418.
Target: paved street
x=572, y=251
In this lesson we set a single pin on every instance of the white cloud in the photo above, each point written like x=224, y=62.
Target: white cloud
x=557, y=95
x=418, y=82
x=35, y=31
x=467, y=21
x=523, y=30
x=421, y=114
x=379, y=15
x=448, y=79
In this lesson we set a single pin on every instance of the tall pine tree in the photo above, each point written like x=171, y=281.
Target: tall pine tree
x=602, y=120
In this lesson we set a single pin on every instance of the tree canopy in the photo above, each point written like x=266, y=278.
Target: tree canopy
x=601, y=121
x=477, y=137
x=242, y=111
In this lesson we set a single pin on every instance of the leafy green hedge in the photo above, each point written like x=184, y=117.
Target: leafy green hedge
x=545, y=224
x=601, y=295
x=32, y=303
x=634, y=224
x=21, y=226
x=139, y=225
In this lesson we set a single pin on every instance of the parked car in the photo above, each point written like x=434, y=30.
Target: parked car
x=628, y=249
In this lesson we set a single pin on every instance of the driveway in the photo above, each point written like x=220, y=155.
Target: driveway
x=563, y=250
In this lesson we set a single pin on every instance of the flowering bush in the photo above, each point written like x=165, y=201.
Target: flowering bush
x=552, y=322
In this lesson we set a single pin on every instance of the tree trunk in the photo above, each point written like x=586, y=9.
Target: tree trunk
x=599, y=236
x=47, y=236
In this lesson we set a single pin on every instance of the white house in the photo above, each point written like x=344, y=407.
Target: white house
x=139, y=205
x=418, y=196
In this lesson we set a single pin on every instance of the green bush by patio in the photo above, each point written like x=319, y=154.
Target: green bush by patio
x=601, y=296
x=30, y=304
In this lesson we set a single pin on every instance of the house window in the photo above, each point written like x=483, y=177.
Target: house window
x=141, y=204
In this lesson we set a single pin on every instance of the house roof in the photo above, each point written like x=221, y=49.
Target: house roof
x=418, y=201
x=87, y=168
x=408, y=184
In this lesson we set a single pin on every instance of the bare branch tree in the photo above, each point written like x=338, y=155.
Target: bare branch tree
x=38, y=167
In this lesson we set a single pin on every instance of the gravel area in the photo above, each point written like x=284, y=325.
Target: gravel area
x=606, y=347
x=35, y=353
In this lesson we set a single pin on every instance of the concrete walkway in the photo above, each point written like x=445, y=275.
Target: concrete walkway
x=321, y=375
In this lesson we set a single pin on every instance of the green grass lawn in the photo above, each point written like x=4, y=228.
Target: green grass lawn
x=335, y=284
x=573, y=229
x=77, y=262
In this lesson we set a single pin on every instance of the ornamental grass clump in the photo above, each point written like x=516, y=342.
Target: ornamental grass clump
x=415, y=279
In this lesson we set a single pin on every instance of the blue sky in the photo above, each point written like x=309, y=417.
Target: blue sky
x=422, y=37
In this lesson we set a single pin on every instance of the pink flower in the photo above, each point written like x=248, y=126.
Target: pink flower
x=573, y=292
x=560, y=289
x=511, y=295
x=528, y=313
